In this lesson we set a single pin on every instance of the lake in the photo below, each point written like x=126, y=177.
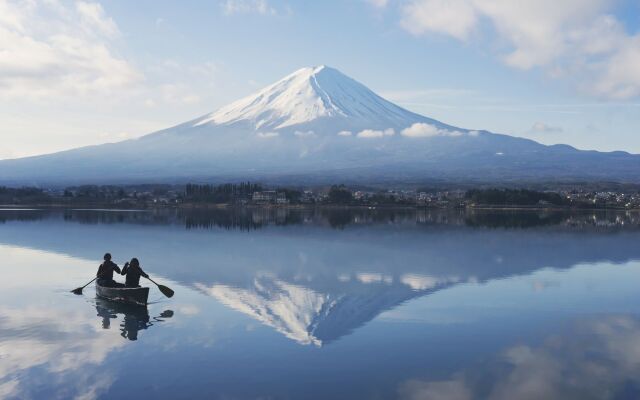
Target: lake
x=324, y=304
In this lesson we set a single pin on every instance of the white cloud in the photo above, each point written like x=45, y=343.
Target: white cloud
x=378, y=3
x=576, y=39
x=262, y=7
x=49, y=50
x=456, y=18
x=420, y=130
x=372, y=133
x=367, y=278
x=621, y=76
x=345, y=133
x=94, y=18
x=268, y=135
x=9, y=388
x=423, y=130
x=424, y=282
x=541, y=127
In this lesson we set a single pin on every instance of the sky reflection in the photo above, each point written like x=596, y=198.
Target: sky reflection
x=403, y=306
x=596, y=358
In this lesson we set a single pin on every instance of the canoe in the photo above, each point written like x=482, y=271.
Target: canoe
x=127, y=295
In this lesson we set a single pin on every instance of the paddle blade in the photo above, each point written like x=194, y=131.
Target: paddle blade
x=77, y=291
x=165, y=290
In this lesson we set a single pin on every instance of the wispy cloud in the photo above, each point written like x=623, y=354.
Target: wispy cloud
x=378, y=3
x=261, y=7
x=268, y=135
x=424, y=130
x=373, y=133
x=541, y=127
x=94, y=18
x=574, y=39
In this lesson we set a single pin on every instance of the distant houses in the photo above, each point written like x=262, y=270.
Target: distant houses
x=269, y=197
x=246, y=194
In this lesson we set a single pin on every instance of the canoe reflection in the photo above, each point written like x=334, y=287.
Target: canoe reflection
x=135, y=318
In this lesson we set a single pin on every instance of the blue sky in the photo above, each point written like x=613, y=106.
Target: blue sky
x=79, y=73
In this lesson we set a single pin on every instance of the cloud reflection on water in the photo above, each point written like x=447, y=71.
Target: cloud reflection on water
x=64, y=344
x=316, y=280
x=597, y=358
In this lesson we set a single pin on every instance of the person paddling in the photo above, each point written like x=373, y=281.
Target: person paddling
x=133, y=272
x=105, y=272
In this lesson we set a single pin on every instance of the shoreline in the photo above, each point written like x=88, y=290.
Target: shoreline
x=192, y=206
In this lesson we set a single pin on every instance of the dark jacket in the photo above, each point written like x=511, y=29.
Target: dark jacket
x=133, y=274
x=105, y=270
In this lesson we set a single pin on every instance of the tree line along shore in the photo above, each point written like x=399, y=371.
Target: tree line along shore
x=254, y=194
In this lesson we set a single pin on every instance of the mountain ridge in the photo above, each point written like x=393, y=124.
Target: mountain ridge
x=323, y=125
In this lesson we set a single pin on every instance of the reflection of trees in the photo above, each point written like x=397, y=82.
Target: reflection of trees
x=338, y=219
x=240, y=218
x=21, y=215
x=252, y=218
x=94, y=217
x=509, y=219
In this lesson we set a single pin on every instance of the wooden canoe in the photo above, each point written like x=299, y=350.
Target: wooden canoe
x=126, y=295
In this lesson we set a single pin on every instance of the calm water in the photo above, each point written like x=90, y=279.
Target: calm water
x=276, y=304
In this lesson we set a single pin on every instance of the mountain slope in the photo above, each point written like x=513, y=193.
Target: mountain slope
x=312, y=97
x=318, y=125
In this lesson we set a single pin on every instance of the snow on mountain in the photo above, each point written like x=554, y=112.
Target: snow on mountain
x=310, y=317
x=308, y=95
x=319, y=126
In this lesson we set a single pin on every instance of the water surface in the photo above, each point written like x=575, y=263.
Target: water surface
x=325, y=304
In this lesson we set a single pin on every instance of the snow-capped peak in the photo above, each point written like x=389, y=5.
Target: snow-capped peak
x=307, y=95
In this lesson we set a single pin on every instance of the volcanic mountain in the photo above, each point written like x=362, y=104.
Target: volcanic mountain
x=318, y=125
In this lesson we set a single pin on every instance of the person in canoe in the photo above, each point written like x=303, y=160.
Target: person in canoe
x=105, y=272
x=133, y=272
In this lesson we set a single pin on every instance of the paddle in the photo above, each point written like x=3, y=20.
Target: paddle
x=79, y=290
x=165, y=290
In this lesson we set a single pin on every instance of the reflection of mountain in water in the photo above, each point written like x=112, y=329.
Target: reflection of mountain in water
x=315, y=283
x=311, y=317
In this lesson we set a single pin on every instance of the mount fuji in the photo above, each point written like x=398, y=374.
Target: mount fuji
x=318, y=125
